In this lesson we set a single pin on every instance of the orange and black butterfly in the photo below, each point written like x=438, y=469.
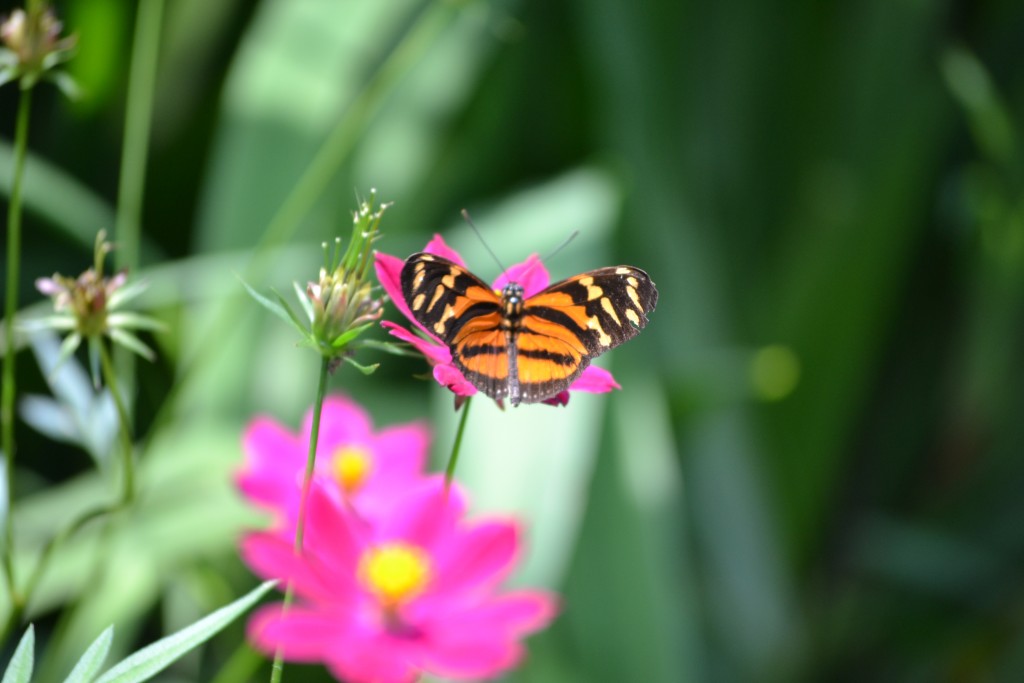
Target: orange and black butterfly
x=526, y=349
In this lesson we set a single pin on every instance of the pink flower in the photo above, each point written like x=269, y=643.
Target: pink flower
x=416, y=591
x=366, y=468
x=533, y=277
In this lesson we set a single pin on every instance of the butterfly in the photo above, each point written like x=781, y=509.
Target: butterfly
x=526, y=349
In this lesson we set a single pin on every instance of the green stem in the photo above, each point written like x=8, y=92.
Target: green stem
x=14, y=619
x=127, y=496
x=128, y=466
x=10, y=309
x=277, y=668
x=449, y=472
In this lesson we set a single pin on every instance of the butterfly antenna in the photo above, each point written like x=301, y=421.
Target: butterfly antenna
x=554, y=251
x=465, y=216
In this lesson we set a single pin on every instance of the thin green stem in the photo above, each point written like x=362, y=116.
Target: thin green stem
x=449, y=472
x=127, y=495
x=128, y=465
x=277, y=669
x=14, y=619
x=10, y=354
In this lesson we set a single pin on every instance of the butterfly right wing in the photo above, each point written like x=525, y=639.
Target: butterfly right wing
x=462, y=311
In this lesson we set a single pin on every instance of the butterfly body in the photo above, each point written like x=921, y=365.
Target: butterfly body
x=526, y=349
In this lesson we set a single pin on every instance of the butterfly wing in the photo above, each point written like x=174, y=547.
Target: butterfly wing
x=462, y=311
x=573, y=321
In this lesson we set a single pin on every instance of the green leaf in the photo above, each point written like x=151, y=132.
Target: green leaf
x=132, y=343
x=394, y=348
x=135, y=321
x=365, y=369
x=89, y=665
x=154, y=658
x=295, y=319
x=19, y=670
x=306, y=304
x=341, y=340
x=279, y=308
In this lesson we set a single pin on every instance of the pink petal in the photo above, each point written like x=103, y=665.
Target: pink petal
x=270, y=556
x=425, y=517
x=402, y=450
x=304, y=635
x=272, y=456
x=434, y=351
x=452, y=378
x=342, y=423
x=595, y=380
x=333, y=533
x=370, y=655
x=438, y=247
x=559, y=399
x=531, y=274
x=478, y=557
x=389, y=273
x=475, y=657
x=481, y=641
x=48, y=286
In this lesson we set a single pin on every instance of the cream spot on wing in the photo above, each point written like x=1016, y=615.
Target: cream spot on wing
x=633, y=317
x=602, y=337
x=417, y=303
x=593, y=291
x=439, y=326
x=606, y=304
x=632, y=281
x=438, y=291
x=623, y=270
x=417, y=280
x=633, y=297
x=449, y=279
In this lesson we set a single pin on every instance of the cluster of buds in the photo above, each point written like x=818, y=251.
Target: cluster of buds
x=344, y=302
x=88, y=307
x=33, y=47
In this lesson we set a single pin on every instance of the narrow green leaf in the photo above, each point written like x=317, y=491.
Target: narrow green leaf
x=295, y=319
x=135, y=321
x=304, y=301
x=348, y=336
x=365, y=369
x=132, y=343
x=153, y=659
x=394, y=348
x=89, y=665
x=19, y=670
x=281, y=310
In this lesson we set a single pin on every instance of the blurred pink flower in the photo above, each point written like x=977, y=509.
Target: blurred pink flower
x=367, y=468
x=533, y=277
x=416, y=591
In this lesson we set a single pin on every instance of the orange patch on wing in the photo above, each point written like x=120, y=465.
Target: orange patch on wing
x=561, y=333
x=564, y=303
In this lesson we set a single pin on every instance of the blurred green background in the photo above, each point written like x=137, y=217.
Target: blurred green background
x=813, y=470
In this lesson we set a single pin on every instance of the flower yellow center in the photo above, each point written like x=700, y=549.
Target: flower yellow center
x=352, y=466
x=394, y=572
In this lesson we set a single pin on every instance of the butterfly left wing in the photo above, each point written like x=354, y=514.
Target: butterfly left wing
x=573, y=321
x=462, y=311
